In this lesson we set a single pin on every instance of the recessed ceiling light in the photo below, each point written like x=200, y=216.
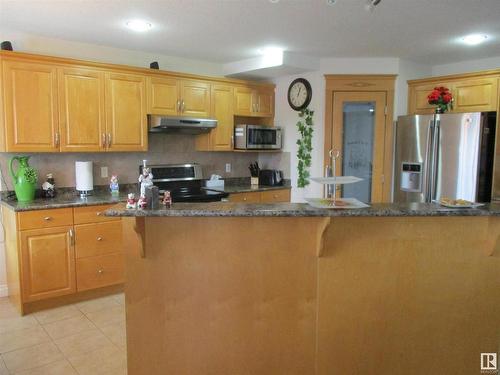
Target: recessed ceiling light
x=474, y=39
x=139, y=25
x=331, y=2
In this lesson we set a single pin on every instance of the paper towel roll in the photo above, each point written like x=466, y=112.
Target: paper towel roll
x=84, y=176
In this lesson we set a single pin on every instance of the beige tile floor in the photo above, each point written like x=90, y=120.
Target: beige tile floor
x=86, y=338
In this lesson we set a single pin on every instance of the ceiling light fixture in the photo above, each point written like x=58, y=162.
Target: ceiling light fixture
x=331, y=2
x=272, y=56
x=474, y=39
x=139, y=25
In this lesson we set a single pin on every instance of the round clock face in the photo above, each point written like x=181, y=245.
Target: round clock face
x=299, y=94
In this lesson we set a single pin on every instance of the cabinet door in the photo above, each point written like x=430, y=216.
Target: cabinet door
x=30, y=94
x=163, y=96
x=244, y=102
x=48, y=263
x=195, y=99
x=417, y=99
x=126, y=123
x=222, y=110
x=81, y=109
x=476, y=95
x=265, y=103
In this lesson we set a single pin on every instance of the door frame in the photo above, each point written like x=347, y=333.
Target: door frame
x=364, y=83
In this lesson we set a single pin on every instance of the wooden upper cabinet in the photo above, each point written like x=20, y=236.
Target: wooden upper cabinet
x=254, y=102
x=126, y=123
x=417, y=98
x=30, y=105
x=476, y=95
x=48, y=263
x=163, y=96
x=244, y=102
x=265, y=103
x=81, y=110
x=220, y=138
x=222, y=110
x=195, y=99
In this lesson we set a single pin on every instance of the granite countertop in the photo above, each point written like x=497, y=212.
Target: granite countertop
x=65, y=197
x=68, y=197
x=228, y=209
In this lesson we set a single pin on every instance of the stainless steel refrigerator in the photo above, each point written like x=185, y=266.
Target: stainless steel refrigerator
x=444, y=155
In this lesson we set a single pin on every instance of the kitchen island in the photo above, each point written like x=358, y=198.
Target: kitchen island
x=225, y=288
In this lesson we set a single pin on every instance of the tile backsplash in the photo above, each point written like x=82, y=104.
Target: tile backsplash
x=163, y=149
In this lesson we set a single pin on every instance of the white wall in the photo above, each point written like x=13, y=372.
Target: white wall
x=407, y=70
x=30, y=43
x=466, y=66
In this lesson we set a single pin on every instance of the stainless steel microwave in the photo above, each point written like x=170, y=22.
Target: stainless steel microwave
x=256, y=137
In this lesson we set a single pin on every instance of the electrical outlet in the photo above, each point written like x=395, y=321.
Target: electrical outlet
x=228, y=167
x=104, y=172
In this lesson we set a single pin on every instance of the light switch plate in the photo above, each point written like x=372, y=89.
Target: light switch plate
x=104, y=172
x=228, y=167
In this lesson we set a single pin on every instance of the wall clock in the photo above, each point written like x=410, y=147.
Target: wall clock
x=299, y=94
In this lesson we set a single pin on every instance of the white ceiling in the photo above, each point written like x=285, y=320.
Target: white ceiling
x=229, y=30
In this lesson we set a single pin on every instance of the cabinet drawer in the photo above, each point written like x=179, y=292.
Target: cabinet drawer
x=100, y=271
x=245, y=197
x=270, y=196
x=92, y=214
x=45, y=218
x=98, y=238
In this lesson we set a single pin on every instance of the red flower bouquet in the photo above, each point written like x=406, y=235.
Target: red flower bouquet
x=442, y=98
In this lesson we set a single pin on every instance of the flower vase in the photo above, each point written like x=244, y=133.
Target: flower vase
x=439, y=110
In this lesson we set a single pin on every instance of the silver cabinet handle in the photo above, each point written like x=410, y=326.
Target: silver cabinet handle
x=232, y=141
x=183, y=105
x=99, y=238
x=104, y=140
x=109, y=140
x=100, y=271
x=47, y=218
x=245, y=198
x=72, y=236
x=178, y=105
x=99, y=213
x=58, y=138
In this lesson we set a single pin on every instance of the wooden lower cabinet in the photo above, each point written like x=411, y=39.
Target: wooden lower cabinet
x=60, y=252
x=99, y=271
x=268, y=196
x=48, y=263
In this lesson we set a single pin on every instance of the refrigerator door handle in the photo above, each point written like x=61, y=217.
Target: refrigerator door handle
x=428, y=162
x=435, y=161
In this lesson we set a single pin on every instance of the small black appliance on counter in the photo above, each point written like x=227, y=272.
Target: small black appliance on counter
x=271, y=177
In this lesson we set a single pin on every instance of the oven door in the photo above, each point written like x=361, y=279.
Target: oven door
x=263, y=138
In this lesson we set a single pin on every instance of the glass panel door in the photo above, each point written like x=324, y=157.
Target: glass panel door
x=357, y=145
x=358, y=132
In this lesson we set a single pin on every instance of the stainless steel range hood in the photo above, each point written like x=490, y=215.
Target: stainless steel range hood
x=183, y=125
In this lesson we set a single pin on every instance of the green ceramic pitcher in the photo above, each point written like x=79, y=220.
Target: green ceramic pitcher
x=24, y=178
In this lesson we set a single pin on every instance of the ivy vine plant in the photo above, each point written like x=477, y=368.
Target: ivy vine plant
x=305, y=127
